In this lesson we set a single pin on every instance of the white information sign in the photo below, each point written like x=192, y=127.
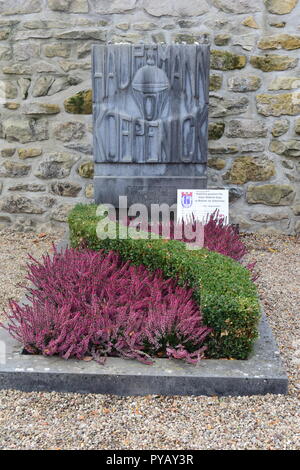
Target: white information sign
x=201, y=203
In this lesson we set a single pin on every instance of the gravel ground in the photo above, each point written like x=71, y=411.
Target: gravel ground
x=72, y=421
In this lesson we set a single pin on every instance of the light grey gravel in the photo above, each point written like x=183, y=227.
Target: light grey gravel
x=73, y=421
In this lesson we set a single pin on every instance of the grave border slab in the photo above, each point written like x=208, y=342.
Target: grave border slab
x=261, y=374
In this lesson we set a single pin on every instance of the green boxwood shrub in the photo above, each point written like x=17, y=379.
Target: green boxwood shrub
x=223, y=287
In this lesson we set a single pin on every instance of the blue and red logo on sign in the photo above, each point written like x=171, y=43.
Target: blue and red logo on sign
x=186, y=199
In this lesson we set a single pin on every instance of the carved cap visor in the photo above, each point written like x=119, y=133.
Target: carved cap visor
x=150, y=79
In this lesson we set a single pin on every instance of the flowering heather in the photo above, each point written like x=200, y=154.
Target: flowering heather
x=224, y=239
x=218, y=236
x=87, y=303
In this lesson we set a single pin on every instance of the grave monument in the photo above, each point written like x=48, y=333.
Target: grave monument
x=150, y=112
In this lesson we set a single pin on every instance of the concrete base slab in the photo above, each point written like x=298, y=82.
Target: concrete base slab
x=262, y=373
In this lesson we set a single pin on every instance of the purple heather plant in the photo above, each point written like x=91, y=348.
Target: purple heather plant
x=87, y=303
x=218, y=236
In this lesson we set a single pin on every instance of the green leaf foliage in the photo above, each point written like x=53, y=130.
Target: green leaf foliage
x=223, y=288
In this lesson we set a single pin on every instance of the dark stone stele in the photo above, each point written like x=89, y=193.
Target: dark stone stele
x=150, y=110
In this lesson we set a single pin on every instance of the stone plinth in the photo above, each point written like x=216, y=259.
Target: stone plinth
x=150, y=113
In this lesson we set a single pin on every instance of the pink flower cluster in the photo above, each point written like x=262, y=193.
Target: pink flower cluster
x=218, y=236
x=87, y=303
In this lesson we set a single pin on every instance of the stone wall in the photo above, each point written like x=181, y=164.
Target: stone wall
x=45, y=101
